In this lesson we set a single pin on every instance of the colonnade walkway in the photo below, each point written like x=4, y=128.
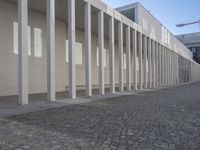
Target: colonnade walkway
x=165, y=118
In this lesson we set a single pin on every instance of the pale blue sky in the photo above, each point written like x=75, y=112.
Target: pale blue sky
x=168, y=12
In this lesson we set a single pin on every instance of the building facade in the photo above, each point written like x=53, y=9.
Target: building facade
x=192, y=41
x=53, y=46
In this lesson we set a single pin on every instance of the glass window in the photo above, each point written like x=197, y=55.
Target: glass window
x=105, y=57
x=38, y=43
x=15, y=39
x=124, y=61
x=78, y=53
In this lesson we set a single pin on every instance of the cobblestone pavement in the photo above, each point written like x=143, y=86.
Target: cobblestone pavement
x=167, y=119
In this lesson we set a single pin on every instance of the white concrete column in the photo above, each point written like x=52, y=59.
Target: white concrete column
x=153, y=65
x=177, y=69
x=174, y=69
x=171, y=71
x=180, y=69
x=112, y=54
x=163, y=66
x=23, y=52
x=121, y=54
x=88, y=57
x=166, y=76
x=135, y=60
x=168, y=66
x=150, y=63
x=51, y=50
x=156, y=63
x=128, y=59
x=184, y=60
x=185, y=69
x=171, y=64
x=140, y=61
x=160, y=64
x=170, y=60
x=145, y=62
x=72, y=40
x=101, y=51
x=185, y=72
x=175, y=76
x=189, y=71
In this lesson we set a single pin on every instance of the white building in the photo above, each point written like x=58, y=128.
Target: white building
x=53, y=46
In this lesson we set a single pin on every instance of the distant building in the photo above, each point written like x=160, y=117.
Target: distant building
x=153, y=27
x=192, y=41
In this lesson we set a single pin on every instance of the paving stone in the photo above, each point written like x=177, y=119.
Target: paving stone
x=166, y=119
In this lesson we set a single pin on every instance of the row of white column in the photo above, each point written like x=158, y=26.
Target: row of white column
x=162, y=63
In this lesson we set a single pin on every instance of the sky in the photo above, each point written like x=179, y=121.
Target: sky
x=169, y=12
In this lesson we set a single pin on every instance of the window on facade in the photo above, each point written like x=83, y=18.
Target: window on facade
x=15, y=39
x=38, y=43
x=105, y=57
x=66, y=50
x=78, y=53
x=124, y=61
x=147, y=64
x=137, y=65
